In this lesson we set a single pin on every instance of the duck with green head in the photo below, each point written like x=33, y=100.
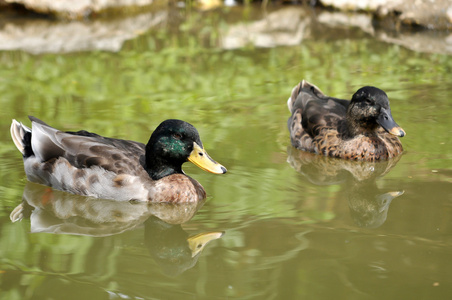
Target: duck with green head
x=88, y=164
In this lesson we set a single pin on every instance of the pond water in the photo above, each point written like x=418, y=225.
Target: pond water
x=281, y=224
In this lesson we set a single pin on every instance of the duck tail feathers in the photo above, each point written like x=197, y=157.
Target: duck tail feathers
x=36, y=120
x=312, y=87
x=21, y=136
x=306, y=86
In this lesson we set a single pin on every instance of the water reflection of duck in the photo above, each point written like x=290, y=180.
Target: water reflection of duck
x=62, y=213
x=88, y=164
x=360, y=129
x=55, y=211
x=368, y=205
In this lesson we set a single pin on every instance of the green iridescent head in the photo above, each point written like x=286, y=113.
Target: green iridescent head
x=173, y=143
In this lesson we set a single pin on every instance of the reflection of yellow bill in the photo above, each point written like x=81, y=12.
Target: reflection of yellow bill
x=197, y=242
x=396, y=193
x=200, y=158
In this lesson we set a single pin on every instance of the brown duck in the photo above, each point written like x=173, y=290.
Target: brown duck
x=360, y=129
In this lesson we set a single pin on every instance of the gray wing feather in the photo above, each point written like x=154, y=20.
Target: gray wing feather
x=85, y=151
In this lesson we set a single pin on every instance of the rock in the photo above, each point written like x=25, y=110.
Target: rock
x=431, y=14
x=350, y=5
x=42, y=36
x=416, y=40
x=283, y=27
x=419, y=41
x=342, y=19
x=70, y=9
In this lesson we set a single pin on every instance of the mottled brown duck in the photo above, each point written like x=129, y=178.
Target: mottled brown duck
x=88, y=164
x=360, y=129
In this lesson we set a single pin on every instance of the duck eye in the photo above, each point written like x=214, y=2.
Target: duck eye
x=177, y=136
x=367, y=101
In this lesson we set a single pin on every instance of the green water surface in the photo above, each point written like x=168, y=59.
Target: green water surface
x=295, y=227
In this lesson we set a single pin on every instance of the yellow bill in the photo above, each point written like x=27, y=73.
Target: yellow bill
x=201, y=159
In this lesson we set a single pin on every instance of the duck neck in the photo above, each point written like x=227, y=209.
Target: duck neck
x=158, y=168
x=360, y=127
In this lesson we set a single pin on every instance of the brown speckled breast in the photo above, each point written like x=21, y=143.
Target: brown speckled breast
x=330, y=142
x=177, y=188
